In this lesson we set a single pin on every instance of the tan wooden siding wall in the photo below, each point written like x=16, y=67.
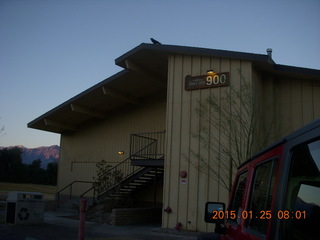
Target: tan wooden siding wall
x=81, y=150
x=288, y=103
x=183, y=120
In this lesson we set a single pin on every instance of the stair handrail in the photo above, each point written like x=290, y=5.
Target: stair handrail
x=69, y=186
x=130, y=173
x=134, y=168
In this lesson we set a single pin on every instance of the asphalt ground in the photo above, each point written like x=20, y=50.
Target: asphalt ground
x=57, y=227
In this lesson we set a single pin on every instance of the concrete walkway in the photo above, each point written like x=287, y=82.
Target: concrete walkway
x=57, y=226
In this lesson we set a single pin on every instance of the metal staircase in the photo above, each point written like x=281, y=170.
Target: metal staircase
x=133, y=184
x=148, y=148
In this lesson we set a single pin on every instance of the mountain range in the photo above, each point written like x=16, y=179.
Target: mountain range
x=45, y=154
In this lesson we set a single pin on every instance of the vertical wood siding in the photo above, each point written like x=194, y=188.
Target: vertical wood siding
x=285, y=102
x=290, y=102
x=101, y=140
x=183, y=121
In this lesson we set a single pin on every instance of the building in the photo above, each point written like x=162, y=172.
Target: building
x=158, y=95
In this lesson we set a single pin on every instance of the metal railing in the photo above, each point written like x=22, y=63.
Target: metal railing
x=147, y=145
x=142, y=146
x=71, y=187
x=118, y=174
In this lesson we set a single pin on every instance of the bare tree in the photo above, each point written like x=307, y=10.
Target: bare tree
x=235, y=129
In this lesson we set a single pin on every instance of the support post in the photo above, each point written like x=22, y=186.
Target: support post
x=83, y=210
x=155, y=189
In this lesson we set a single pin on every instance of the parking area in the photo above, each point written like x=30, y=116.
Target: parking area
x=57, y=225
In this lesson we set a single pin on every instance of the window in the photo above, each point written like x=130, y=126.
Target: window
x=238, y=194
x=303, y=193
x=261, y=196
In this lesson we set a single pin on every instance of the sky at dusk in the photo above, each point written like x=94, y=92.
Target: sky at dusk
x=51, y=51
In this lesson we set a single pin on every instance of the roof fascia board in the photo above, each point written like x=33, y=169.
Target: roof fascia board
x=292, y=69
x=173, y=49
x=183, y=50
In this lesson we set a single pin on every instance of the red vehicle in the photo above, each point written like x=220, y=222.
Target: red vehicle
x=276, y=193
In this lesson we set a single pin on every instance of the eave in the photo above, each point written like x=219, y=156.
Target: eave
x=146, y=70
x=97, y=102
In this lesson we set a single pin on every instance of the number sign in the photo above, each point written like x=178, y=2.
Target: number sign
x=207, y=81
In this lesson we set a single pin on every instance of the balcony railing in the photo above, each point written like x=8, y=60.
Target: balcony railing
x=147, y=146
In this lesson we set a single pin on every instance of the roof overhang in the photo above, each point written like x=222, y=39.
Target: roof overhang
x=146, y=69
x=123, y=88
x=161, y=52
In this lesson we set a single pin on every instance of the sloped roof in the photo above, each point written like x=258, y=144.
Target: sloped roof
x=163, y=51
x=145, y=73
x=158, y=51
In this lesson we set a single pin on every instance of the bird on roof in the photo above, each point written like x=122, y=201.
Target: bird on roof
x=154, y=41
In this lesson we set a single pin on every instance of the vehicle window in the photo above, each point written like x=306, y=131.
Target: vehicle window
x=261, y=196
x=237, y=198
x=303, y=193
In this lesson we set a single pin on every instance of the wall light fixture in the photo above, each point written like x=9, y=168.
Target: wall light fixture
x=210, y=72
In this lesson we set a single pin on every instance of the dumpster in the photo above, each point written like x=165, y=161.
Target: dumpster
x=25, y=208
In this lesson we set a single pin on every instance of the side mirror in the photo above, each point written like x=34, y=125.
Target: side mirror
x=212, y=210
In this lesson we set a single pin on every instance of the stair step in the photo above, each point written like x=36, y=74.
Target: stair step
x=149, y=175
x=146, y=178
x=135, y=187
x=135, y=184
x=158, y=170
x=122, y=192
x=154, y=172
x=126, y=190
x=131, y=187
x=118, y=195
x=140, y=181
